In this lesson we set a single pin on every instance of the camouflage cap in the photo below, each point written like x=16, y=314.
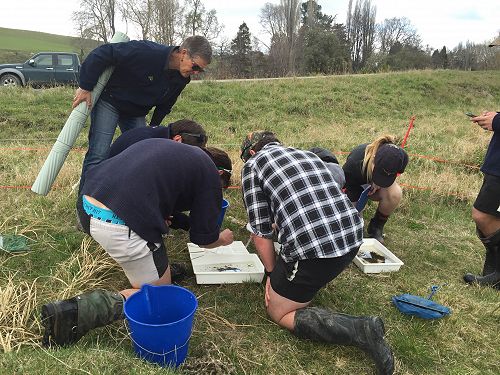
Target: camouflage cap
x=496, y=42
x=251, y=140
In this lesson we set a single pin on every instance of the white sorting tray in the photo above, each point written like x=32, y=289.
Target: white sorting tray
x=230, y=264
x=392, y=262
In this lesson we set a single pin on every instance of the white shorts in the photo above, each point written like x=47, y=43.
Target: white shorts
x=142, y=261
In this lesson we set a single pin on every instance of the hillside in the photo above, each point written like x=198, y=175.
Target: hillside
x=19, y=45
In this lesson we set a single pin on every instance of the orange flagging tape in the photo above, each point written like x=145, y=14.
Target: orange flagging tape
x=78, y=149
x=439, y=160
x=410, y=127
x=422, y=188
x=433, y=158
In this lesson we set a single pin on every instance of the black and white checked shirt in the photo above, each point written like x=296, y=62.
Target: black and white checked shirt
x=295, y=190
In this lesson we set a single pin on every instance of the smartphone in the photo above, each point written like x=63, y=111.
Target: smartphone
x=470, y=114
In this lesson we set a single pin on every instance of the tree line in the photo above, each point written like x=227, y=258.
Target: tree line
x=303, y=39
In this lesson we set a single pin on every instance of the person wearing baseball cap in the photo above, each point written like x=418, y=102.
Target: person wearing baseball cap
x=292, y=192
x=378, y=164
x=486, y=209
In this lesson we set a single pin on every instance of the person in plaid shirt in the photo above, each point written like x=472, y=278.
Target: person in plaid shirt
x=292, y=192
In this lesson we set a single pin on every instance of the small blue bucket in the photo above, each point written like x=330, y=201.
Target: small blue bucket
x=225, y=205
x=160, y=320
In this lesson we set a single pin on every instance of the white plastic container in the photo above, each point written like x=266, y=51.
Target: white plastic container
x=230, y=264
x=392, y=262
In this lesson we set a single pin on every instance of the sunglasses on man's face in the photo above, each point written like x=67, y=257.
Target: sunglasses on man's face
x=196, y=68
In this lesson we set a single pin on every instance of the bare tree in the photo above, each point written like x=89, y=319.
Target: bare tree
x=271, y=20
x=368, y=30
x=140, y=13
x=348, y=22
x=211, y=27
x=166, y=25
x=292, y=22
x=96, y=19
x=282, y=22
x=193, y=18
x=198, y=21
x=471, y=56
x=84, y=41
x=361, y=31
x=397, y=30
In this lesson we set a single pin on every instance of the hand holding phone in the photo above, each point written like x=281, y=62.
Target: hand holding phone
x=470, y=114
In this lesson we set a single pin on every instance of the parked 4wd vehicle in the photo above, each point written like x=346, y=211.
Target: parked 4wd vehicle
x=44, y=68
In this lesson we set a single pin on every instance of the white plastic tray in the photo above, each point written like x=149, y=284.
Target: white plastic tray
x=392, y=262
x=225, y=265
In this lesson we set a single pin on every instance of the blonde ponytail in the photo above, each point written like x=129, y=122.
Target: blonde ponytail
x=371, y=150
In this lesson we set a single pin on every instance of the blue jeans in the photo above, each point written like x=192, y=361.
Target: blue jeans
x=103, y=121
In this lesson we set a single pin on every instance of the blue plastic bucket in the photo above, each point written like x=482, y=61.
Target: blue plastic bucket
x=160, y=320
x=225, y=205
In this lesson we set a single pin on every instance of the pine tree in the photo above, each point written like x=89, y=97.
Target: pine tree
x=444, y=58
x=436, y=60
x=241, y=47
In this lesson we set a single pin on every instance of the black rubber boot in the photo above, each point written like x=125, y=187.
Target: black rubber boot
x=489, y=262
x=366, y=333
x=493, y=279
x=66, y=321
x=491, y=243
x=491, y=268
x=376, y=226
x=178, y=272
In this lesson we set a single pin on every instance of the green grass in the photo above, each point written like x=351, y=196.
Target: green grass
x=432, y=231
x=34, y=41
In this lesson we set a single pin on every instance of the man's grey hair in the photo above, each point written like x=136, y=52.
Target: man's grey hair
x=198, y=46
x=496, y=42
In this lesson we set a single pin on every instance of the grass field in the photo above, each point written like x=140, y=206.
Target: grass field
x=432, y=231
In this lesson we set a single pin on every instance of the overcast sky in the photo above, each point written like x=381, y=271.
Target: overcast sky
x=438, y=22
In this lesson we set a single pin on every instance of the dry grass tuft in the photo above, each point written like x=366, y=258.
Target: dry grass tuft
x=213, y=362
x=216, y=323
x=18, y=300
x=84, y=270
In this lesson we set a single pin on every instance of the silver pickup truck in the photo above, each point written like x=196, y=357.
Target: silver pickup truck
x=44, y=68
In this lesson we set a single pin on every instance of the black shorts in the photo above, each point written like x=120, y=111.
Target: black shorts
x=300, y=281
x=488, y=199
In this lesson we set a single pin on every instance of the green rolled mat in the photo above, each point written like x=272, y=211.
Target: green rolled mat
x=70, y=131
x=13, y=243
